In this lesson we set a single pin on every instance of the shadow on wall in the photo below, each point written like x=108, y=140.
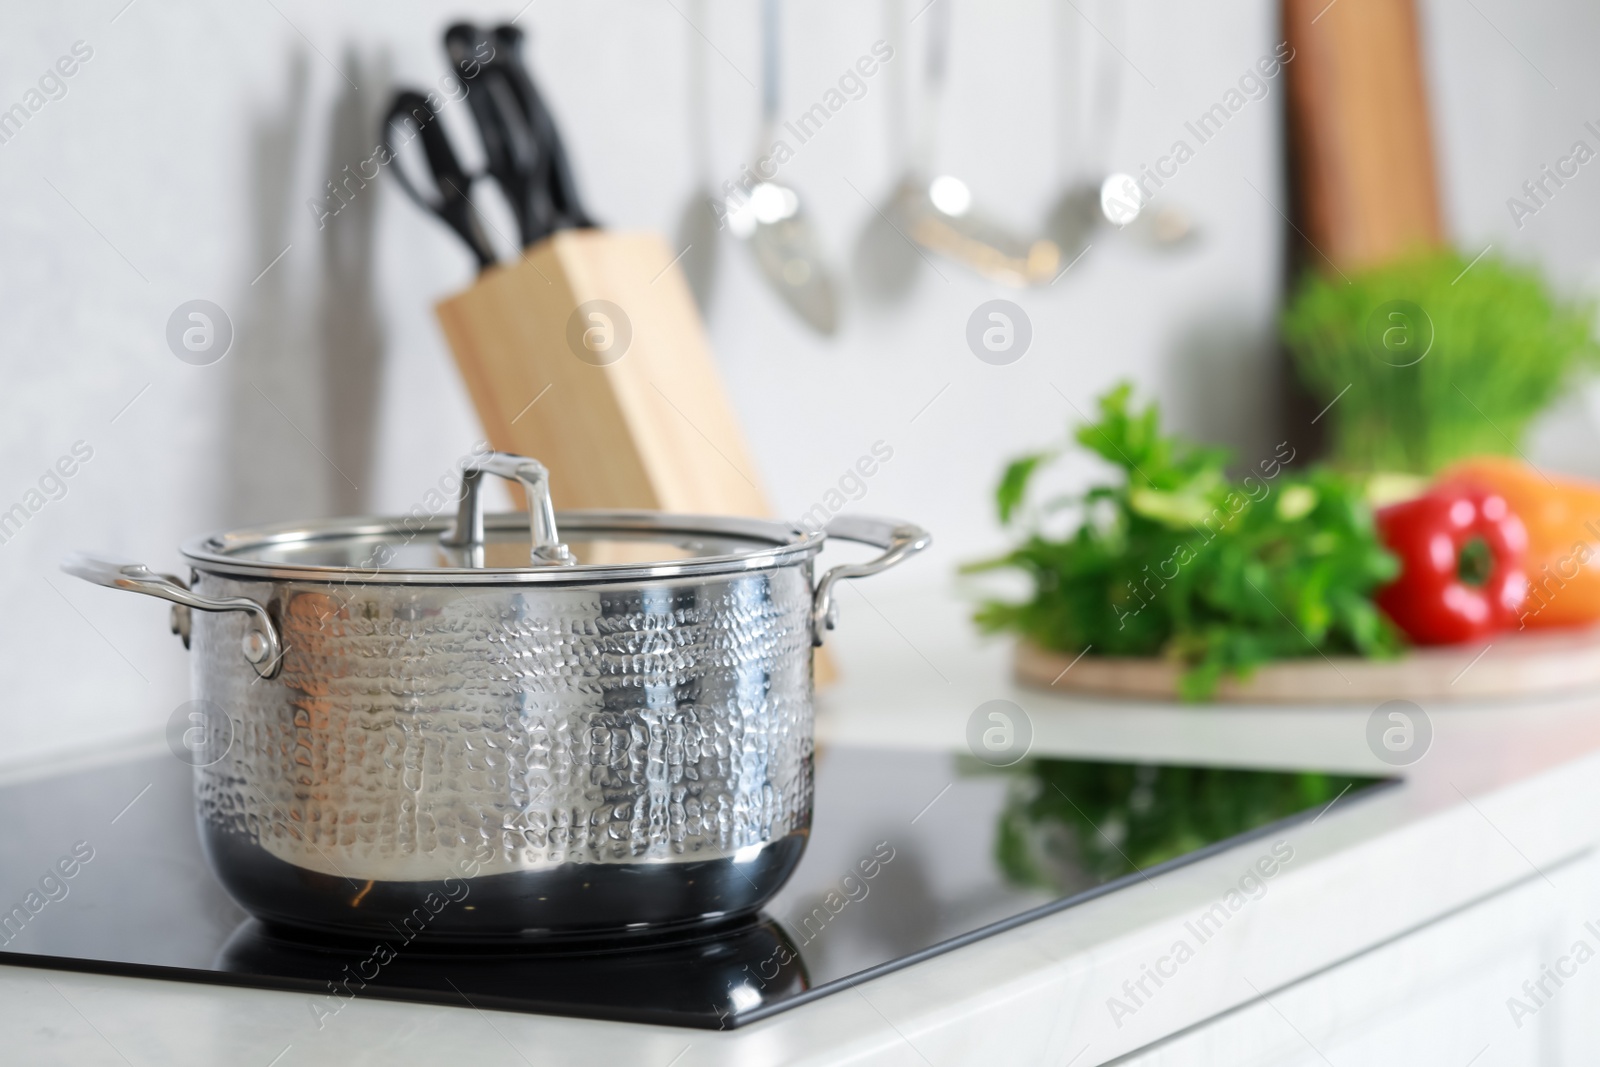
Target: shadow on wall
x=308, y=354
x=351, y=338
x=1226, y=384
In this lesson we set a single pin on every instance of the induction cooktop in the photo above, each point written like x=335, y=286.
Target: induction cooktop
x=913, y=853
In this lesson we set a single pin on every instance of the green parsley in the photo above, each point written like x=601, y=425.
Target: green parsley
x=1178, y=560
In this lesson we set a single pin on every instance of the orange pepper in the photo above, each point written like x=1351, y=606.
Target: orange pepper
x=1562, y=516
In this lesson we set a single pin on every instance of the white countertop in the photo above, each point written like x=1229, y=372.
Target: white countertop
x=1504, y=795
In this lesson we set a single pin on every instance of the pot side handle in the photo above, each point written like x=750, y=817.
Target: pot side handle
x=899, y=541
x=262, y=646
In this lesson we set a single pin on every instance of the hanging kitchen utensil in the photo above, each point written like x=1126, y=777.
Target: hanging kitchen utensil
x=699, y=227
x=421, y=710
x=938, y=214
x=769, y=215
x=1089, y=98
x=449, y=198
x=1164, y=228
x=886, y=261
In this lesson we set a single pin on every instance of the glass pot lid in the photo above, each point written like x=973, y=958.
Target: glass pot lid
x=604, y=545
x=578, y=547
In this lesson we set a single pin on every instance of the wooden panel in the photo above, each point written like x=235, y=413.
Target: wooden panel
x=1358, y=116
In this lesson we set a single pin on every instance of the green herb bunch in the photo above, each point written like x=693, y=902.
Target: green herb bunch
x=1174, y=559
x=1430, y=359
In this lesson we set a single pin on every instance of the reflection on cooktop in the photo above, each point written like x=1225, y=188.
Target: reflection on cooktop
x=912, y=853
x=712, y=974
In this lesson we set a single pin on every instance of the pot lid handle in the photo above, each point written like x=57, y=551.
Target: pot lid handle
x=466, y=533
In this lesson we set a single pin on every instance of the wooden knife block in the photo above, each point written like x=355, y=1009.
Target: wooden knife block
x=653, y=429
x=641, y=425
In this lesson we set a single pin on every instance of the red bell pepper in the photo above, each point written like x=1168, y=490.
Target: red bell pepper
x=1461, y=550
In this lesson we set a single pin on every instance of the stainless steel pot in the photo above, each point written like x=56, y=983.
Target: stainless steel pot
x=479, y=729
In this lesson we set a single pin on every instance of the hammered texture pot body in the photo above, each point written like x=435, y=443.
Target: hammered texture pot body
x=497, y=758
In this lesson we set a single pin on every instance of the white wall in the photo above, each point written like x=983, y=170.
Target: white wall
x=178, y=164
x=1512, y=86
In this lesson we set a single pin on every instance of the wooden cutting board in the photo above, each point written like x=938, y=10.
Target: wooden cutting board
x=1360, y=133
x=1510, y=665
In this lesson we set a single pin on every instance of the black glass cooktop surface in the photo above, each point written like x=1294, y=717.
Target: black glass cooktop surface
x=912, y=853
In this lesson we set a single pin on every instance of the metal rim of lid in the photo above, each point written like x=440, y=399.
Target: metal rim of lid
x=782, y=545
